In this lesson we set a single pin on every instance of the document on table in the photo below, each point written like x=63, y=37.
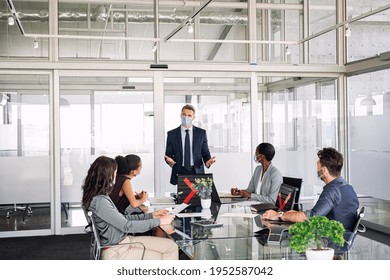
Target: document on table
x=192, y=214
x=246, y=203
x=178, y=209
x=239, y=215
x=228, y=195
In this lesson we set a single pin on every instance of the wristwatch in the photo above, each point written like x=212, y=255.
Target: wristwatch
x=280, y=216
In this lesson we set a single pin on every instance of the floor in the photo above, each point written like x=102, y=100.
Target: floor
x=53, y=247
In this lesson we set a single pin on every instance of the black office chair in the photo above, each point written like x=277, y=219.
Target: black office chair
x=284, y=201
x=297, y=183
x=27, y=211
x=96, y=247
x=349, y=236
x=286, y=197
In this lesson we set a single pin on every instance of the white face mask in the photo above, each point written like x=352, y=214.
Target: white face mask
x=255, y=159
x=186, y=121
x=320, y=173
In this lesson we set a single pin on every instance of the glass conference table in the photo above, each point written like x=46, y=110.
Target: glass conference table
x=240, y=234
x=227, y=231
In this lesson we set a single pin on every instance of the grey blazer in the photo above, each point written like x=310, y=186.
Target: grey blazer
x=112, y=225
x=270, y=186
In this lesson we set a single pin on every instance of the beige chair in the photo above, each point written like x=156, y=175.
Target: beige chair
x=96, y=247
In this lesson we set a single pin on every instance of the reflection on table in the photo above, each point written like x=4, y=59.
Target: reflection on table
x=232, y=221
x=251, y=248
x=242, y=235
x=241, y=248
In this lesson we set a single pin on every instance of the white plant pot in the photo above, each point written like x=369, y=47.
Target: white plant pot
x=206, y=203
x=325, y=254
x=206, y=213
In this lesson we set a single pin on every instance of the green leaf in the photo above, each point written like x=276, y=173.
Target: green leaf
x=313, y=231
x=204, y=187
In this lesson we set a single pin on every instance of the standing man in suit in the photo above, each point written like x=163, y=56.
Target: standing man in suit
x=187, y=149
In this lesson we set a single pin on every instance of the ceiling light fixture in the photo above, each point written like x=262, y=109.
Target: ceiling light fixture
x=64, y=102
x=11, y=20
x=177, y=29
x=287, y=51
x=190, y=27
x=35, y=44
x=15, y=16
x=347, y=30
x=3, y=99
x=154, y=47
x=368, y=101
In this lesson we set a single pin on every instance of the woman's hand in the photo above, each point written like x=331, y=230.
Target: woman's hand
x=159, y=213
x=235, y=191
x=166, y=219
x=168, y=229
x=143, y=196
x=245, y=193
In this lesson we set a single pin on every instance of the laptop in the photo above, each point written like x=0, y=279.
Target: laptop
x=221, y=200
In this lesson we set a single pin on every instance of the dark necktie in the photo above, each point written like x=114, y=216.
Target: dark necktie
x=187, y=151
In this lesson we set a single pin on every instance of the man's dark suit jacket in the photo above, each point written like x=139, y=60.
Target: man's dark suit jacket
x=200, y=150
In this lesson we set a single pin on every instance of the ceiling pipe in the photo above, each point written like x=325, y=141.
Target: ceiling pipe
x=88, y=37
x=194, y=4
x=222, y=18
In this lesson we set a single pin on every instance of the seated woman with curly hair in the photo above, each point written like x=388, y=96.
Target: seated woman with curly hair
x=114, y=227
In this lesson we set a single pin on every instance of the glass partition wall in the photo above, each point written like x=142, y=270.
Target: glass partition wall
x=300, y=117
x=223, y=109
x=256, y=71
x=369, y=148
x=25, y=169
x=114, y=115
x=111, y=116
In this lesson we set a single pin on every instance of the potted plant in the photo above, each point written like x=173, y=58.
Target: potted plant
x=204, y=188
x=312, y=235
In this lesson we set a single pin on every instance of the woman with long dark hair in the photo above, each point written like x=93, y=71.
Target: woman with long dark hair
x=123, y=193
x=113, y=227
